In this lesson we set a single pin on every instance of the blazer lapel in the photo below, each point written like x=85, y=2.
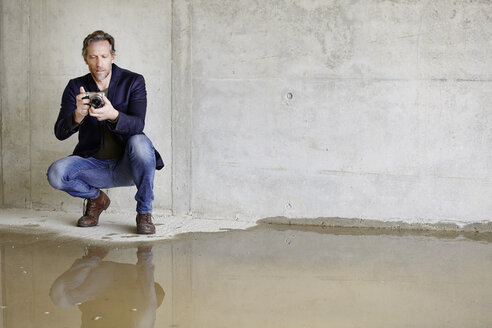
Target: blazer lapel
x=113, y=83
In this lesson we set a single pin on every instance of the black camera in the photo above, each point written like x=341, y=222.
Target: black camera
x=96, y=99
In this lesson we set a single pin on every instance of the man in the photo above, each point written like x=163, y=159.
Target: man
x=112, y=150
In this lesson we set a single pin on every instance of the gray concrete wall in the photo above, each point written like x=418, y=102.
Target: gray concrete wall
x=307, y=108
x=365, y=109
x=41, y=44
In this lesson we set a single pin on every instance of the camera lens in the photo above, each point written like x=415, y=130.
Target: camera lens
x=97, y=101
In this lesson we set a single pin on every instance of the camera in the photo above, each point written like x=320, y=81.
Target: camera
x=96, y=99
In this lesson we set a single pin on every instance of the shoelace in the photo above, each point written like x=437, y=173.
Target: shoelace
x=147, y=218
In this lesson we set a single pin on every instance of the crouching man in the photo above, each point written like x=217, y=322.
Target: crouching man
x=107, y=108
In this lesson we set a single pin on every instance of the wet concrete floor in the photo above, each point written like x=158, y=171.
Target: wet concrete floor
x=265, y=276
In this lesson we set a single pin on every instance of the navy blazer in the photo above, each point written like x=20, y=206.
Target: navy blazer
x=127, y=95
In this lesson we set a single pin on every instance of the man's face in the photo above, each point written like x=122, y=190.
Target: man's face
x=99, y=59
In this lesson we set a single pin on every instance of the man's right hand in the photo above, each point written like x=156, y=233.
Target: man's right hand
x=82, y=109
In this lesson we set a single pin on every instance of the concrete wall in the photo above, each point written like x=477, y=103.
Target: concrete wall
x=307, y=108
x=372, y=109
x=41, y=44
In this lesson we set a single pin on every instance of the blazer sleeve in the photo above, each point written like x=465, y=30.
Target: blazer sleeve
x=132, y=120
x=65, y=125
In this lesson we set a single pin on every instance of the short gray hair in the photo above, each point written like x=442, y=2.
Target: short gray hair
x=98, y=36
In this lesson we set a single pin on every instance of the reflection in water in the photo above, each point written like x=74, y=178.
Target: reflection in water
x=110, y=294
x=266, y=276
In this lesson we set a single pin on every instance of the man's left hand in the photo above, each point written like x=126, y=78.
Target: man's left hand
x=107, y=112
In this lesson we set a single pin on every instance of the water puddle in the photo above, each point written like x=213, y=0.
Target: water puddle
x=267, y=276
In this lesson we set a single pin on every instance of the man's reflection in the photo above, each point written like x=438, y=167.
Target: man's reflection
x=110, y=294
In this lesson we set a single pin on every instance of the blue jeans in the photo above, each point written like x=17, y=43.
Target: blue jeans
x=84, y=177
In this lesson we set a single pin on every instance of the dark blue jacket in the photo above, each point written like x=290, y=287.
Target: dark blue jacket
x=127, y=95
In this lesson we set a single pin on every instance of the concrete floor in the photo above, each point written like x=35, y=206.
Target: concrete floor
x=232, y=274
x=112, y=228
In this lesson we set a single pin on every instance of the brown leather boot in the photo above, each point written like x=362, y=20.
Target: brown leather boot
x=144, y=224
x=93, y=209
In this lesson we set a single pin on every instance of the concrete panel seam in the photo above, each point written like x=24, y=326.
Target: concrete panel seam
x=172, y=103
x=190, y=150
x=336, y=78
x=181, y=102
x=29, y=91
x=2, y=77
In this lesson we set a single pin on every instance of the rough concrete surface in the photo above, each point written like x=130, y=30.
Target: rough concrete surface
x=112, y=228
x=371, y=109
x=120, y=228
x=41, y=43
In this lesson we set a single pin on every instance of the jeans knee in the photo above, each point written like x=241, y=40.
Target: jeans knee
x=55, y=175
x=140, y=147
